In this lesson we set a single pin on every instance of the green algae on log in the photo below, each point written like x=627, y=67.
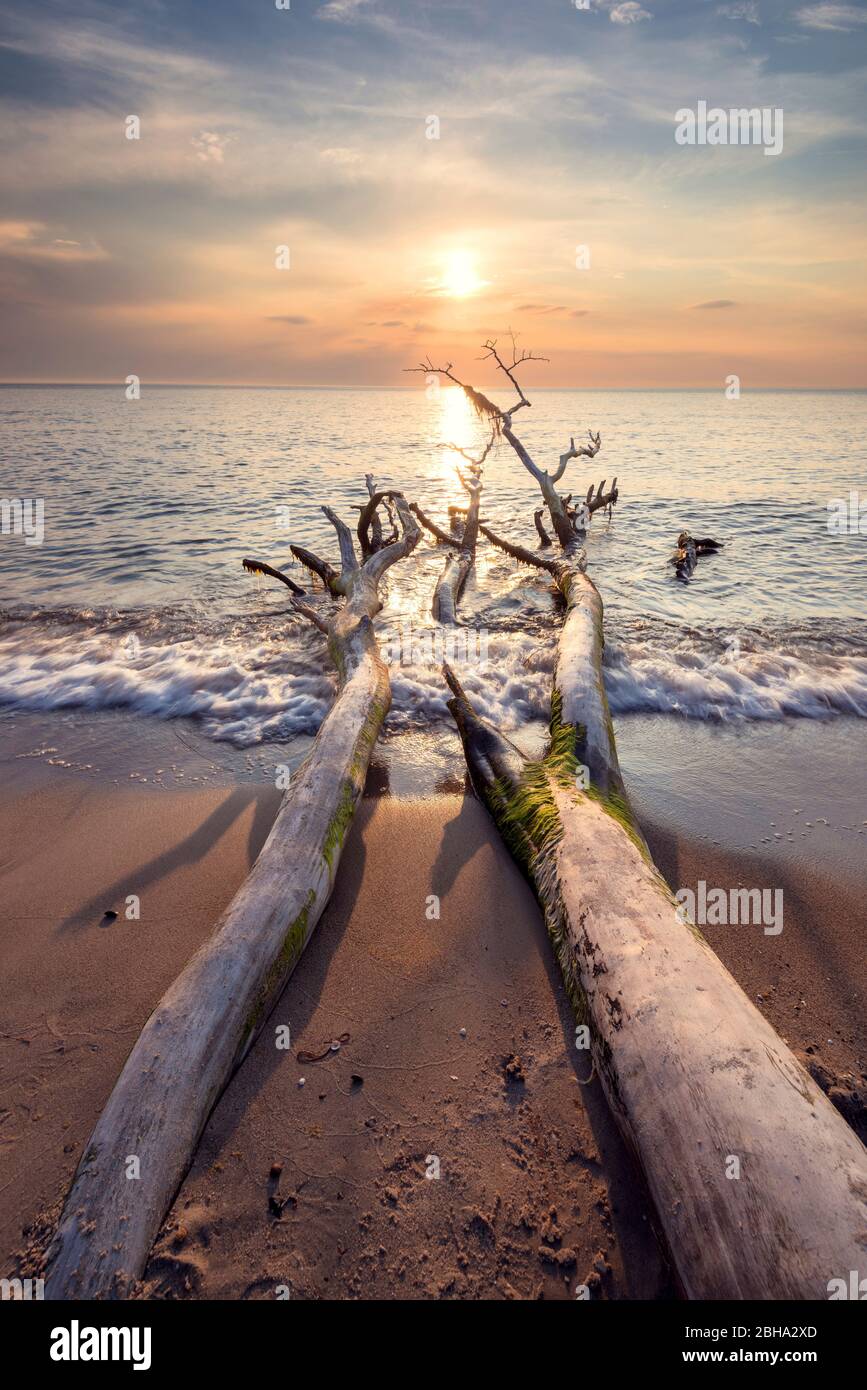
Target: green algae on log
x=695, y=1076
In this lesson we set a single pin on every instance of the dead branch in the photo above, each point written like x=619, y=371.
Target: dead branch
x=688, y=550
x=520, y=552
x=544, y=538
x=429, y=525
x=320, y=568
x=586, y=451
x=259, y=567
x=348, y=560
x=471, y=458
x=369, y=520
x=491, y=352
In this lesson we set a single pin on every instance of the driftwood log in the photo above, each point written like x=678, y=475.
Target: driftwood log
x=694, y=1075
x=759, y=1185
x=688, y=550
x=460, y=560
x=206, y=1022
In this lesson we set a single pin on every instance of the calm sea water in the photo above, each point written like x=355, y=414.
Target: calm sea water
x=136, y=600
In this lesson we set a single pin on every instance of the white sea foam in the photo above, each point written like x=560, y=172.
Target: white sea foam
x=242, y=696
x=683, y=677
x=250, y=692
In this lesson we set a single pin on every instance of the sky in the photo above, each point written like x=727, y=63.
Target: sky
x=439, y=174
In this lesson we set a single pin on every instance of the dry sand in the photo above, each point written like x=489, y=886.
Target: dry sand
x=323, y=1188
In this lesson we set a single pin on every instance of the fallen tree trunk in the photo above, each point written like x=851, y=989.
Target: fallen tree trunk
x=759, y=1184
x=450, y=585
x=206, y=1022
x=454, y=574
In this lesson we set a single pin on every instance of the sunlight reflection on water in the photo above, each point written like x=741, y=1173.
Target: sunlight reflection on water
x=151, y=505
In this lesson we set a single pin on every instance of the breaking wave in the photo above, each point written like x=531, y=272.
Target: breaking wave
x=250, y=683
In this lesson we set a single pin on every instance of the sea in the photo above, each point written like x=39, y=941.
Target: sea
x=131, y=613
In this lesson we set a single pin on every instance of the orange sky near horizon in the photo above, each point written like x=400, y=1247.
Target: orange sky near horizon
x=563, y=211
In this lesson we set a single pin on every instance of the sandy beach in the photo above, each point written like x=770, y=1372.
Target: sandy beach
x=456, y=1048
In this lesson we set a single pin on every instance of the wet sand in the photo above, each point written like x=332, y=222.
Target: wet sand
x=322, y=1189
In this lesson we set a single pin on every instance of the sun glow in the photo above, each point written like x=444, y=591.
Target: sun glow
x=456, y=424
x=460, y=277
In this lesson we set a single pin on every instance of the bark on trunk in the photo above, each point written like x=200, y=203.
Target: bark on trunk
x=450, y=584
x=685, y=558
x=544, y=538
x=759, y=1184
x=204, y=1025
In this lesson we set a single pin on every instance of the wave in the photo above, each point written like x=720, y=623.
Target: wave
x=758, y=674
x=243, y=695
x=248, y=683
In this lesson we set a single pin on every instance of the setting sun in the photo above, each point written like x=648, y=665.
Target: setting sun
x=459, y=277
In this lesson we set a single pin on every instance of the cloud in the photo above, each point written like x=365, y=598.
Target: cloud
x=340, y=11
x=188, y=237
x=629, y=13
x=716, y=304
x=96, y=47
x=741, y=9
x=14, y=233
x=341, y=155
x=31, y=241
x=209, y=146
x=541, y=309
x=840, y=19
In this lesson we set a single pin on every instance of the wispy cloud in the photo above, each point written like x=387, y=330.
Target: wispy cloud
x=840, y=19
x=341, y=11
x=96, y=46
x=629, y=13
x=266, y=129
x=741, y=9
x=542, y=309
x=33, y=241
x=209, y=146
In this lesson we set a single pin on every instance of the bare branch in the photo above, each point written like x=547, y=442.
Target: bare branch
x=377, y=564
x=509, y=368
x=259, y=567
x=465, y=453
x=544, y=538
x=348, y=560
x=310, y=614
x=520, y=450
x=586, y=451
x=430, y=370
x=431, y=526
x=329, y=576
x=368, y=514
x=472, y=486
x=375, y=541
x=520, y=552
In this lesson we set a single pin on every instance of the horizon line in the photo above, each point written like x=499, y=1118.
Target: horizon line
x=350, y=386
